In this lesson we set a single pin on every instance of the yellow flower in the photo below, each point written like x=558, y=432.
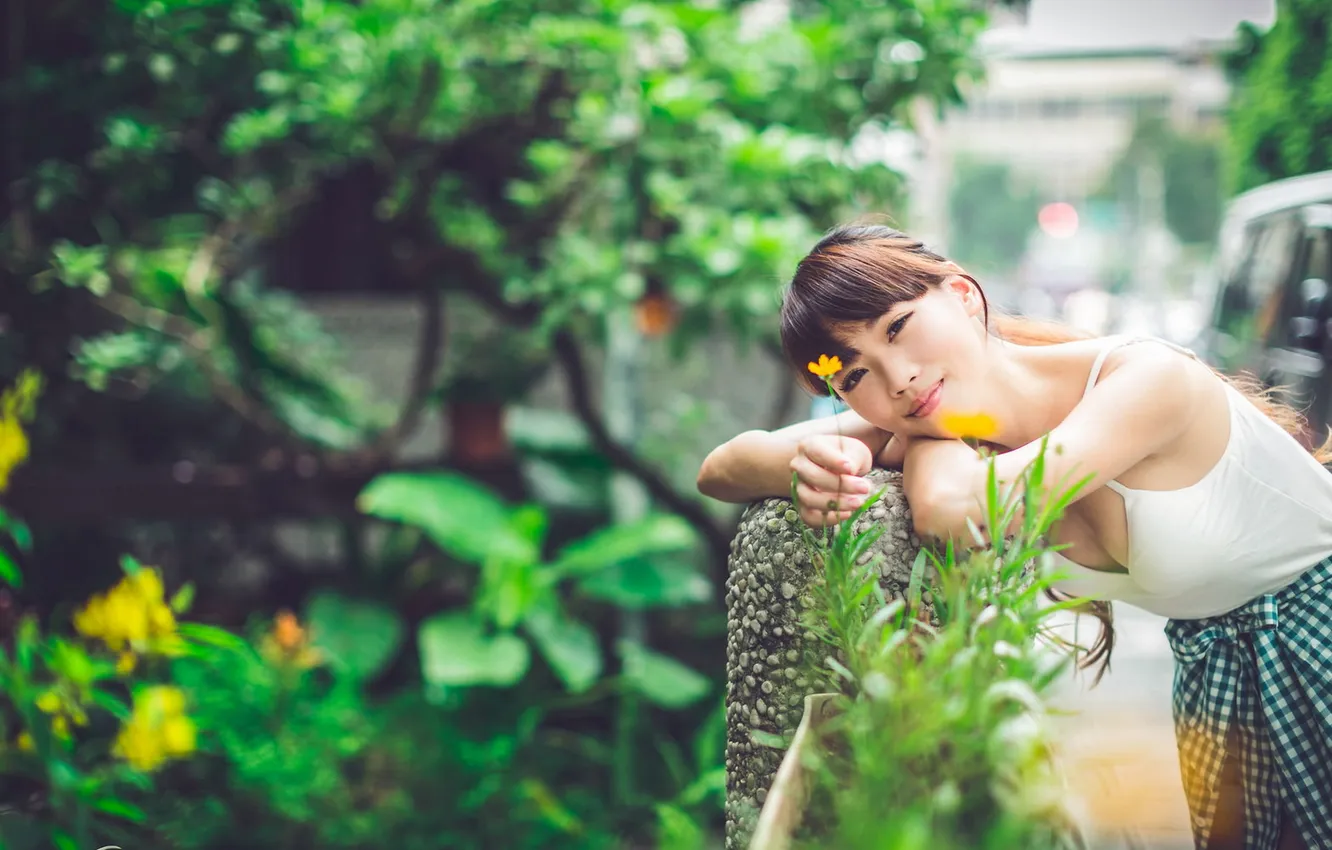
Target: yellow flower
x=25, y=742
x=13, y=447
x=16, y=407
x=49, y=702
x=157, y=730
x=977, y=426
x=125, y=663
x=827, y=366
x=133, y=616
x=63, y=709
x=178, y=736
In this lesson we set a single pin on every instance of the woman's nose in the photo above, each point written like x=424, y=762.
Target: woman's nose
x=900, y=378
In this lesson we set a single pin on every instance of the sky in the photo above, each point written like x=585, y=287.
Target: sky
x=1093, y=24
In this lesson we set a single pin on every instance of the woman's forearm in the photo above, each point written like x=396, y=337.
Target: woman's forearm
x=757, y=464
x=945, y=483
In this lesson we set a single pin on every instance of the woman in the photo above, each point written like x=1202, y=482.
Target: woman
x=1201, y=506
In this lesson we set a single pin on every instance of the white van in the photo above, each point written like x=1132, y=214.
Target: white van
x=1272, y=310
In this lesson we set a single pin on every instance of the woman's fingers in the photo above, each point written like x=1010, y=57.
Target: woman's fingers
x=828, y=480
x=839, y=454
x=816, y=501
x=823, y=518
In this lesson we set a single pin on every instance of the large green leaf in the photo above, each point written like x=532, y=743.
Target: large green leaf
x=662, y=680
x=618, y=543
x=9, y=571
x=461, y=516
x=359, y=637
x=570, y=646
x=654, y=582
x=17, y=529
x=457, y=649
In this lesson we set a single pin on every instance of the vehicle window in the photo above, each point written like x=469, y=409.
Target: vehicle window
x=1250, y=304
x=1308, y=344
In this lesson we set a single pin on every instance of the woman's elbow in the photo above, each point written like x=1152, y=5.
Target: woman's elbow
x=714, y=480
x=708, y=481
x=925, y=521
x=936, y=515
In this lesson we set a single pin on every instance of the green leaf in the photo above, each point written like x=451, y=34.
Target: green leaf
x=913, y=595
x=357, y=636
x=657, y=582
x=183, y=598
x=212, y=636
x=18, y=529
x=711, y=783
x=120, y=809
x=9, y=571
x=662, y=680
x=112, y=704
x=618, y=543
x=677, y=829
x=461, y=516
x=570, y=646
x=457, y=649
x=26, y=640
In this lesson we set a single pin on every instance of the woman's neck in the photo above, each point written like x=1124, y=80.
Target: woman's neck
x=1031, y=389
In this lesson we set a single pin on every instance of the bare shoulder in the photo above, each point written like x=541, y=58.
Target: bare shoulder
x=1157, y=367
x=1152, y=385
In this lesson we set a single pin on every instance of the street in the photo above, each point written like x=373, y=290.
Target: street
x=1119, y=741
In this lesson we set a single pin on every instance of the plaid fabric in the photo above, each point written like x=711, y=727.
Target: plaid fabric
x=1266, y=669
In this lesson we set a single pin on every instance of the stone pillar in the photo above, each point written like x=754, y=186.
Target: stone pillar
x=769, y=662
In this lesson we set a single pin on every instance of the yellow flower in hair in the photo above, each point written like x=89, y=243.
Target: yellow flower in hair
x=962, y=426
x=827, y=366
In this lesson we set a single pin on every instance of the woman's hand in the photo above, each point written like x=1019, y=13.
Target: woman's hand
x=830, y=482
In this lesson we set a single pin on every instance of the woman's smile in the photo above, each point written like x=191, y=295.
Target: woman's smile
x=926, y=404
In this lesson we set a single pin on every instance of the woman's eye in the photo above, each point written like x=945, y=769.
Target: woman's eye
x=896, y=327
x=849, y=383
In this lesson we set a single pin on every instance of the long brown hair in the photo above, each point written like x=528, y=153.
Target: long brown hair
x=856, y=273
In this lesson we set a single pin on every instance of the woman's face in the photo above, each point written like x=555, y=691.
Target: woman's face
x=920, y=358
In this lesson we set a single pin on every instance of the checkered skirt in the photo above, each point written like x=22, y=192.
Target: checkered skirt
x=1266, y=669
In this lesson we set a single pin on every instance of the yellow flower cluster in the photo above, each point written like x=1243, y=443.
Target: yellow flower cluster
x=158, y=729
x=63, y=710
x=132, y=617
x=16, y=407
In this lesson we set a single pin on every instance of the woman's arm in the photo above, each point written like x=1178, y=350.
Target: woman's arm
x=757, y=464
x=1135, y=411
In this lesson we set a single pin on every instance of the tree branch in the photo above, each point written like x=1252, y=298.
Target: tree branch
x=570, y=356
x=424, y=371
x=195, y=340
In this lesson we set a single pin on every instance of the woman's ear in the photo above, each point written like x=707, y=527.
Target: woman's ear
x=964, y=287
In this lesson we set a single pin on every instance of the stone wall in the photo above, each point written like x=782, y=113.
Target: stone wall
x=770, y=666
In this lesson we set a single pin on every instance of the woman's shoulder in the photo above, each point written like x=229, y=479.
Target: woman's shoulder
x=1173, y=361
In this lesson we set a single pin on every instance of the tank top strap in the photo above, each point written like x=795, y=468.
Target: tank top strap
x=1116, y=342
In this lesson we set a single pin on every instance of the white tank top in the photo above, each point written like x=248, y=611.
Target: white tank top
x=1252, y=525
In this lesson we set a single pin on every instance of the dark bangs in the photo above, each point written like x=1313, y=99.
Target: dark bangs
x=853, y=276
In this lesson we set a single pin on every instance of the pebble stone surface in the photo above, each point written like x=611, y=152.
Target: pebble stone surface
x=768, y=659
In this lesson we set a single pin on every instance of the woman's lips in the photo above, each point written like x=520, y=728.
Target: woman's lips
x=929, y=402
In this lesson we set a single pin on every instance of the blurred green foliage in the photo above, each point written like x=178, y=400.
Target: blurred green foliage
x=992, y=214
x=1191, y=172
x=1281, y=117
x=179, y=175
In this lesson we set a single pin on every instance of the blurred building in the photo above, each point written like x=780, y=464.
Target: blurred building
x=1066, y=82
